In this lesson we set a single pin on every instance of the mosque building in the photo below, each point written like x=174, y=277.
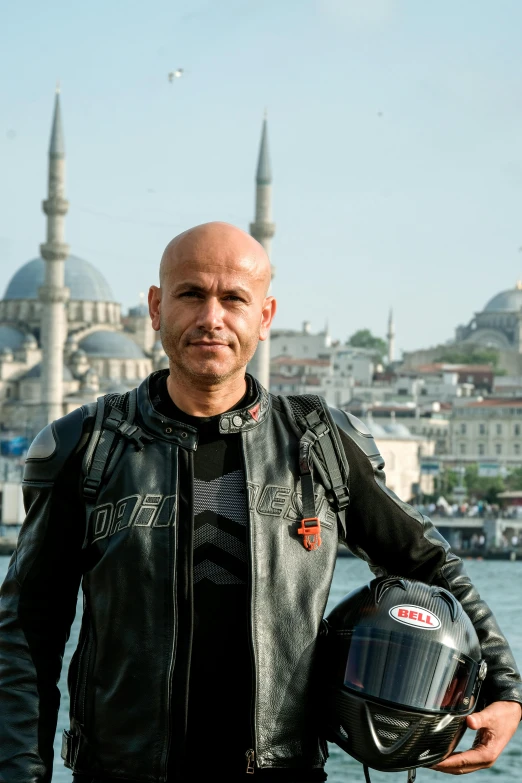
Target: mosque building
x=63, y=339
x=498, y=327
x=499, y=324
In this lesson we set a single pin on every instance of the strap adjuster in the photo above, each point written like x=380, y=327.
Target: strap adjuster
x=129, y=431
x=311, y=533
x=90, y=487
x=342, y=497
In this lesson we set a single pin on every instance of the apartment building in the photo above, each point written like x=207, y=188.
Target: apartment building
x=489, y=429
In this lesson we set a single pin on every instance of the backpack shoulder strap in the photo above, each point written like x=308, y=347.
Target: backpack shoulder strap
x=320, y=448
x=113, y=425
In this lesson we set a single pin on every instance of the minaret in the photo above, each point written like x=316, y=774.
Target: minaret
x=263, y=230
x=53, y=294
x=391, y=338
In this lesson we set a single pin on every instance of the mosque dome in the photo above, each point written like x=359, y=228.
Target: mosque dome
x=377, y=430
x=83, y=280
x=397, y=430
x=506, y=301
x=30, y=341
x=11, y=338
x=104, y=344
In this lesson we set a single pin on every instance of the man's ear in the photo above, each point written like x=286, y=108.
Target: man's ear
x=155, y=306
x=267, y=316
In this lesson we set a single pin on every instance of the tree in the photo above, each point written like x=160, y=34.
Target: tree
x=363, y=338
x=514, y=479
x=446, y=482
x=483, y=488
x=461, y=354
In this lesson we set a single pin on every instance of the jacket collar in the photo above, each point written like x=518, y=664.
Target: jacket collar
x=230, y=422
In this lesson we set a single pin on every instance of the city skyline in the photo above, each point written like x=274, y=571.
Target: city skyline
x=398, y=171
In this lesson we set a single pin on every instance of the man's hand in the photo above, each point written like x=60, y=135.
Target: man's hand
x=495, y=726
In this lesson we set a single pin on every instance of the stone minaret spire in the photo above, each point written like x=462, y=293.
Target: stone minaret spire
x=263, y=230
x=391, y=338
x=53, y=294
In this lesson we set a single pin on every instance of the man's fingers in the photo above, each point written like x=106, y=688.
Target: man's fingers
x=479, y=757
x=496, y=724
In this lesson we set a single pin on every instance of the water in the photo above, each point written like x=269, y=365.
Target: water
x=499, y=582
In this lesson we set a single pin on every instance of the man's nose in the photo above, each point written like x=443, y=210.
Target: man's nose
x=210, y=314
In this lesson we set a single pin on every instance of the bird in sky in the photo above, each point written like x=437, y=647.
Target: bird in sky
x=177, y=74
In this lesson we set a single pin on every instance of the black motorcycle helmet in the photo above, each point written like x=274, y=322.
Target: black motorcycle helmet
x=401, y=668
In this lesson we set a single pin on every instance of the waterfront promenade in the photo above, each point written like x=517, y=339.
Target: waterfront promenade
x=469, y=537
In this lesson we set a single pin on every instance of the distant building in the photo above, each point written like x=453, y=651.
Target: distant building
x=303, y=344
x=301, y=360
x=498, y=325
x=309, y=376
x=402, y=452
x=507, y=386
x=479, y=377
x=489, y=429
x=357, y=364
x=429, y=422
x=443, y=382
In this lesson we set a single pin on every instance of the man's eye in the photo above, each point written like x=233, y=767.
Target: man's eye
x=192, y=294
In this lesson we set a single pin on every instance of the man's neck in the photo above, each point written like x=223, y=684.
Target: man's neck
x=201, y=399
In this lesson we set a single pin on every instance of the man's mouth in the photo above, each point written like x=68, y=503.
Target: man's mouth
x=208, y=344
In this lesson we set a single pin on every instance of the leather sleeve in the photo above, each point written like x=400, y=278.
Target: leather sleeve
x=395, y=538
x=38, y=602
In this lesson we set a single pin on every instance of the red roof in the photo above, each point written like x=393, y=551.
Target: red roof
x=300, y=362
x=446, y=367
x=491, y=403
x=294, y=380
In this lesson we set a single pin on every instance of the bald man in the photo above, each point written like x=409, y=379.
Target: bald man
x=202, y=516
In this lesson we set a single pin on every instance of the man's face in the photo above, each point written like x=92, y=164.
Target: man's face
x=211, y=310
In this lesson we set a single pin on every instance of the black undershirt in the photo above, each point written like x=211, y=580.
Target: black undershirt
x=219, y=728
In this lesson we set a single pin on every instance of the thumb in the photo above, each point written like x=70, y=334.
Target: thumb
x=478, y=720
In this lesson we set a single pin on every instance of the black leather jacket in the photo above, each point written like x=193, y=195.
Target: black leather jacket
x=136, y=583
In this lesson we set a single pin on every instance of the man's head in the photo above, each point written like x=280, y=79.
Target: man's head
x=212, y=305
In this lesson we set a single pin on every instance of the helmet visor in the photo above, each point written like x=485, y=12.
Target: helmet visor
x=410, y=670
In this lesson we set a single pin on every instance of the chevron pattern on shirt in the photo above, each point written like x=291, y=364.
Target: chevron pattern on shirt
x=215, y=573
x=220, y=518
x=224, y=495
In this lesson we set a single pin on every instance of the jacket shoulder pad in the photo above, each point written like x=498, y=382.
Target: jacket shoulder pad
x=356, y=430
x=53, y=446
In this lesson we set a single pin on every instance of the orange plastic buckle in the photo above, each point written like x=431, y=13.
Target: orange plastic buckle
x=311, y=533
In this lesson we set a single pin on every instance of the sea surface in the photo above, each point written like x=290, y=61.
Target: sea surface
x=500, y=582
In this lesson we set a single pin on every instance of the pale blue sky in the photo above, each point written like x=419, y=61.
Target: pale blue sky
x=395, y=135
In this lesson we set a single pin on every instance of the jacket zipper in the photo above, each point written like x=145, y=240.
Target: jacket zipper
x=250, y=753
x=190, y=556
x=250, y=757
x=176, y=625
x=174, y=529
